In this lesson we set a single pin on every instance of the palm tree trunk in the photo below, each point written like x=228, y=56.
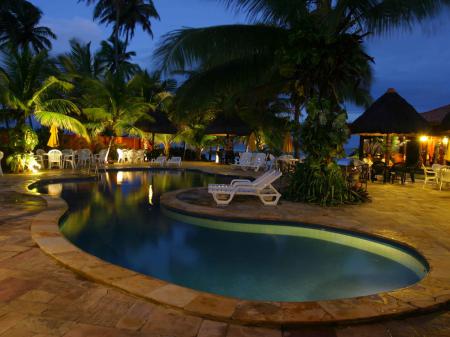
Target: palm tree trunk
x=109, y=148
x=116, y=37
x=297, y=130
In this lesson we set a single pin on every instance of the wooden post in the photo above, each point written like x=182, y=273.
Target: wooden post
x=361, y=147
x=387, y=154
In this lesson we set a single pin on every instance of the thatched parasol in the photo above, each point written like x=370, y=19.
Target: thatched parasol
x=445, y=125
x=390, y=114
x=224, y=125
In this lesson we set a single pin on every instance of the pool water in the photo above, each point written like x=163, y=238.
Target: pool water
x=119, y=220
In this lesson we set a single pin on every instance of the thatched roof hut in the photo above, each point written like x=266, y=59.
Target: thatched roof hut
x=436, y=116
x=390, y=114
x=159, y=123
x=226, y=125
x=445, y=124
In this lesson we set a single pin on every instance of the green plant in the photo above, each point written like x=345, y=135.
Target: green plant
x=20, y=162
x=320, y=180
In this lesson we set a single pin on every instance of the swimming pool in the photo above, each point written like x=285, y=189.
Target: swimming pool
x=119, y=220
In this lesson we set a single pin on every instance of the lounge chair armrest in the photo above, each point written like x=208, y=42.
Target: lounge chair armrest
x=240, y=181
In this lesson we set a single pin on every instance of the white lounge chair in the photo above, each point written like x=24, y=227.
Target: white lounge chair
x=261, y=187
x=258, y=161
x=174, y=161
x=244, y=161
x=160, y=161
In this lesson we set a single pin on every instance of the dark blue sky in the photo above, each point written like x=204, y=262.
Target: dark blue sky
x=416, y=63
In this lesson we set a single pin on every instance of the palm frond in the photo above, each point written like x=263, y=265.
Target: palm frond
x=211, y=46
x=49, y=118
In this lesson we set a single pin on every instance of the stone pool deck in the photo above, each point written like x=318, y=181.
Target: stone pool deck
x=39, y=297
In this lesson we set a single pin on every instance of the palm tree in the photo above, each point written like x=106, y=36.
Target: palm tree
x=29, y=90
x=112, y=108
x=302, y=49
x=81, y=62
x=19, y=26
x=124, y=15
x=116, y=58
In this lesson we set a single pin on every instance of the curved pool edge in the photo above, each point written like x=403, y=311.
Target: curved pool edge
x=422, y=297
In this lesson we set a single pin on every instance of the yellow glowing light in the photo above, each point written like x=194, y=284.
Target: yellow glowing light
x=150, y=195
x=445, y=141
x=424, y=139
x=119, y=178
x=54, y=189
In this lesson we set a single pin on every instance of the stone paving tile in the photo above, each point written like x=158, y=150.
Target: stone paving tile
x=244, y=331
x=12, y=287
x=215, y=306
x=50, y=300
x=136, y=316
x=212, y=329
x=174, y=295
x=363, y=331
x=167, y=323
x=311, y=332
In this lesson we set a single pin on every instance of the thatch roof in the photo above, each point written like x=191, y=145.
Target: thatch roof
x=436, y=116
x=445, y=125
x=224, y=125
x=160, y=123
x=390, y=113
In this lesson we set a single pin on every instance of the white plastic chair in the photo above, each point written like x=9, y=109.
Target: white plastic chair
x=176, y=161
x=161, y=160
x=1, y=157
x=444, y=177
x=121, y=156
x=140, y=156
x=261, y=187
x=429, y=174
x=100, y=158
x=68, y=158
x=54, y=159
x=39, y=157
x=84, y=158
x=132, y=156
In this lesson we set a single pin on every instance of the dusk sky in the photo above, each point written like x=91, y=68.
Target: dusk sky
x=416, y=63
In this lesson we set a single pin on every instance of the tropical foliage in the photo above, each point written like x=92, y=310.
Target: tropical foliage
x=19, y=26
x=28, y=89
x=310, y=51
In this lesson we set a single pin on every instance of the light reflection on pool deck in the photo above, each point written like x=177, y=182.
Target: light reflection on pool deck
x=120, y=221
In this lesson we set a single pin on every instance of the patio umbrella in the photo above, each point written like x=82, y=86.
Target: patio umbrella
x=288, y=145
x=226, y=125
x=159, y=123
x=251, y=144
x=53, y=141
